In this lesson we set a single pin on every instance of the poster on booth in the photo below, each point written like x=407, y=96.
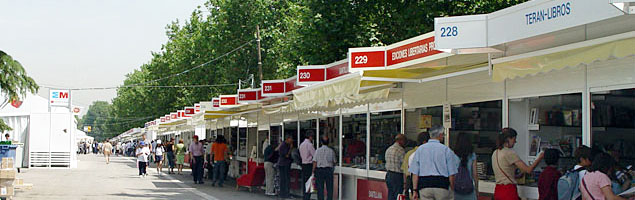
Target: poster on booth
x=447, y=115
x=59, y=98
x=371, y=190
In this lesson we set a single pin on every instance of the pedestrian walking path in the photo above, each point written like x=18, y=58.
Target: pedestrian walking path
x=94, y=179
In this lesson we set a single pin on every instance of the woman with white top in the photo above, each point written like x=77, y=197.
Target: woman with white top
x=158, y=152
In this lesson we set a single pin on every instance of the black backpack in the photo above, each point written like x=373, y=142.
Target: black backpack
x=295, y=155
x=463, y=183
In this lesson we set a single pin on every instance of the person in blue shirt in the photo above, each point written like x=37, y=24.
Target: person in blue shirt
x=433, y=168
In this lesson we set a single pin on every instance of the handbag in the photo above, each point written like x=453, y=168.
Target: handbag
x=310, y=185
x=401, y=197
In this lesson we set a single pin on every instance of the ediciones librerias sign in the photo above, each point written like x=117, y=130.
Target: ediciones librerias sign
x=549, y=13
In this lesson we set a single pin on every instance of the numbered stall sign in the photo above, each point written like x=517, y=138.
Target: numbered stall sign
x=366, y=58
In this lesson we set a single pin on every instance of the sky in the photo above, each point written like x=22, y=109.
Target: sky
x=87, y=43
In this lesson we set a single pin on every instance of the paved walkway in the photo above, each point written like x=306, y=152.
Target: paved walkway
x=93, y=179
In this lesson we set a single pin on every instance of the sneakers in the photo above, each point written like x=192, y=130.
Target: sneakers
x=270, y=194
x=140, y=176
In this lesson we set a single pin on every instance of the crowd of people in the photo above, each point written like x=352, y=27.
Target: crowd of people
x=431, y=170
x=435, y=171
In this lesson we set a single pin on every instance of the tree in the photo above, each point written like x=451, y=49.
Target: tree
x=293, y=32
x=14, y=82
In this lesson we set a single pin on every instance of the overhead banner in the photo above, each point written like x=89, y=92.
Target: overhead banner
x=197, y=107
x=522, y=21
x=249, y=95
x=336, y=69
x=272, y=88
x=174, y=116
x=411, y=49
x=401, y=54
x=366, y=58
x=216, y=102
x=276, y=88
x=190, y=110
x=311, y=74
x=228, y=100
x=181, y=114
x=291, y=84
x=59, y=98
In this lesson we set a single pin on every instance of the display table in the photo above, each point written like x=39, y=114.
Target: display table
x=525, y=192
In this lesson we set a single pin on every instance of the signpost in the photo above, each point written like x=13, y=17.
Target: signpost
x=59, y=98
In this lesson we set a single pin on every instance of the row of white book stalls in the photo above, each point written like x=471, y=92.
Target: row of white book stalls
x=560, y=82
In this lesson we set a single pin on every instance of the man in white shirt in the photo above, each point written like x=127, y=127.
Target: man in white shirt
x=142, y=154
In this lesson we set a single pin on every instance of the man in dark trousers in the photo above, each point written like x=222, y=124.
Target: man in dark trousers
x=306, y=153
x=394, y=158
x=196, y=152
x=323, y=162
x=284, y=165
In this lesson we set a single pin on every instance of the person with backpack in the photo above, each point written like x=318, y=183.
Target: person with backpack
x=569, y=183
x=548, y=179
x=434, y=167
x=466, y=180
x=505, y=161
x=284, y=166
x=394, y=159
x=596, y=184
x=422, y=138
x=271, y=157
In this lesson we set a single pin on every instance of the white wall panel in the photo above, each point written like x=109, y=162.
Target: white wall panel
x=474, y=87
x=424, y=94
x=567, y=80
x=39, y=133
x=612, y=72
x=60, y=132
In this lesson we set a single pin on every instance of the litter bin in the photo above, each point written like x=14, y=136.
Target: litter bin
x=8, y=151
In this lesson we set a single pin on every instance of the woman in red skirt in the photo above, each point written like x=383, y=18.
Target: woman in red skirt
x=504, y=163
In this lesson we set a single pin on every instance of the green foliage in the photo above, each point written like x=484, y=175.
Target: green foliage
x=14, y=82
x=293, y=32
x=98, y=117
